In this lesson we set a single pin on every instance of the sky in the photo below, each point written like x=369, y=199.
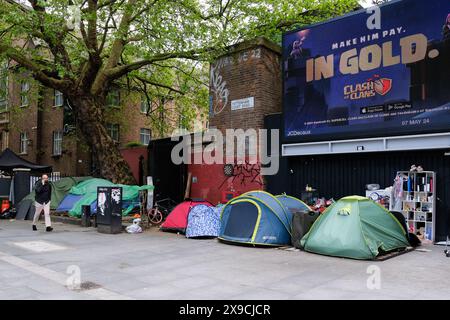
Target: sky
x=366, y=3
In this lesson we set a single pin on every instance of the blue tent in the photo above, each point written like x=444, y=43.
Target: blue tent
x=71, y=200
x=68, y=202
x=257, y=218
x=203, y=221
x=293, y=204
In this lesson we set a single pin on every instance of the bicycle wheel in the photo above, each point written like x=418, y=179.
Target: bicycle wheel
x=155, y=216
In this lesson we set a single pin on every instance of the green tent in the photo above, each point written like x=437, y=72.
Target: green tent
x=60, y=189
x=355, y=227
x=88, y=189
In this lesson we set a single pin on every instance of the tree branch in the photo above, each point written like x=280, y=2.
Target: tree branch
x=120, y=71
x=35, y=69
x=54, y=43
x=142, y=79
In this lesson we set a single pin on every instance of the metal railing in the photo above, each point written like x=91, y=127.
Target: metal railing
x=52, y=177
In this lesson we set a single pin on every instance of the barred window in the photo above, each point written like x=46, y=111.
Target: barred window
x=57, y=143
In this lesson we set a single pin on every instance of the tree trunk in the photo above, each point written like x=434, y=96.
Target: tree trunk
x=107, y=155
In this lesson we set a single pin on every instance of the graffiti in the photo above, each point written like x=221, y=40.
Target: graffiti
x=252, y=54
x=219, y=87
x=243, y=173
x=220, y=91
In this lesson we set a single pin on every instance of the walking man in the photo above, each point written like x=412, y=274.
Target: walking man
x=43, y=196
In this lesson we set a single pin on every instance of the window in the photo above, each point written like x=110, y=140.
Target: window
x=113, y=98
x=59, y=99
x=23, y=142
x=144, y=105
x=113, y=131
x=145, y=136
x=4, y=140
x=24, y=88
x=57, y=143
x=3, y=85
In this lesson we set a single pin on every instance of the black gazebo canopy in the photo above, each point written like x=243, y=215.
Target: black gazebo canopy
x=9, y=161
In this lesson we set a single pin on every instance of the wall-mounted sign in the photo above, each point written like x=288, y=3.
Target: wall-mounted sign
x=344, y=81
x=245, y=103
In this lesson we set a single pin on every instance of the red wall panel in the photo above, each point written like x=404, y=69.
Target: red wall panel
x=131, y=155
x=211, y=180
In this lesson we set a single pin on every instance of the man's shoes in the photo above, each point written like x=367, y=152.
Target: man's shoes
x=49, y=229
x=34, y=228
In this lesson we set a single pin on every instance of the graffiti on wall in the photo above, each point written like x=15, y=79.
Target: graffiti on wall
x=219, y=90
x=219, y=87
x=243, y=174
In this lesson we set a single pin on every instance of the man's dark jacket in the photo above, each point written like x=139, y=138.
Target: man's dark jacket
x=43, y=192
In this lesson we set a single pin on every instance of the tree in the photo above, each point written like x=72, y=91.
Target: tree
x=83, y=48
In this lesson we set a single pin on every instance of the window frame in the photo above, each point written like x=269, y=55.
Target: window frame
x=4, y=139
x=4, y=78
x=142, y=134
x=57, y=137
x=24, y=94
x=113, y=94
x=23, y=147
x=110, y=127
x=56, y=96
x=144, y=102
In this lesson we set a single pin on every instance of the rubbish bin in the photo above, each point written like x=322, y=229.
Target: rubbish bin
x=109, y=210
x=301, y=223
x=85, y=216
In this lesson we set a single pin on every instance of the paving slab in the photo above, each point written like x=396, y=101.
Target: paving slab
x=159, y=265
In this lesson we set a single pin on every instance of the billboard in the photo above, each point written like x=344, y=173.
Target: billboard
x=354, y=78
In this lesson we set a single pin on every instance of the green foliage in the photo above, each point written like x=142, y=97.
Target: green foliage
x=157, y=48
x=134, y=144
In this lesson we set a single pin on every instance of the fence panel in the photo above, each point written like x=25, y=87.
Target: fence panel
x=53, y=177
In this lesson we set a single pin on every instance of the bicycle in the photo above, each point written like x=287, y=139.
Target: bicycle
x=160, y=211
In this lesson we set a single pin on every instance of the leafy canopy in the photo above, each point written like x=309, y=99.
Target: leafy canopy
x=155, y=47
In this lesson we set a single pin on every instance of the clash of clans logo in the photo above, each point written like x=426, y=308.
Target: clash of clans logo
x=370, y=88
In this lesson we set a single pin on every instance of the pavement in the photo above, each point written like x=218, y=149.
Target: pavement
x=79, y=263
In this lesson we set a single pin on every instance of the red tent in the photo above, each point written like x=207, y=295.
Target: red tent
x=178, y=218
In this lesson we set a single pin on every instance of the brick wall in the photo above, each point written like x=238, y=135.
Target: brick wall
x=22, y=119
x=75, y=159
x=131, y=120
x=252, y=69
x=51, y=120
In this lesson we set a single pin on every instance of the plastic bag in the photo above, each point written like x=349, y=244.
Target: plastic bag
x=135, y=227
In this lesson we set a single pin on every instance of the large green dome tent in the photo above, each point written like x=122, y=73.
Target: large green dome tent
x=355, y=227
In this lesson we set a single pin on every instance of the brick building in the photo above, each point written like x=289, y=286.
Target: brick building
x=36, y=123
